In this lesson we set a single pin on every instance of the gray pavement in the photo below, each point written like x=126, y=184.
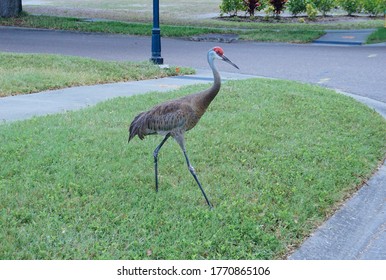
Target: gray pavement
x=345, y=37
x=356, y=69
x=357, y=230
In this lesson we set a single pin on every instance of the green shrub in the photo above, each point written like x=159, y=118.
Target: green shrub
x=231, y=7
x=351, y=6
x=312, y=12
x=269, y=11
x=325, y=6
x=374, y=7
x=278, y=5
x=250, y=6
x=297, y=6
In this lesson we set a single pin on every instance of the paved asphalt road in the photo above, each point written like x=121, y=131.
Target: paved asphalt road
x=358, y=229
x=356, y=69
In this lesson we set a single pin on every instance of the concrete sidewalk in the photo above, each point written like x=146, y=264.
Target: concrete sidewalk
x=22, y=107
x=345, y=37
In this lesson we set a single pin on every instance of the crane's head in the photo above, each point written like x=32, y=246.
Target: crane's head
x=218, y=53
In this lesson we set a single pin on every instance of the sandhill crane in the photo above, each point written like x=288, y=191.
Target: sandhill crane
x=174, y=117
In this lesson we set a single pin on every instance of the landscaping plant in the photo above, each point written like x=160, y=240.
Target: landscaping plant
x=324, y=6
x=374, y=7
x=351, y=6
x=252, y=5
x=279, y=6
x=231, y=7
x=297, y=6
x=311, y=11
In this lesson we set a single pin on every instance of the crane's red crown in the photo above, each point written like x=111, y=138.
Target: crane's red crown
x=219, y=51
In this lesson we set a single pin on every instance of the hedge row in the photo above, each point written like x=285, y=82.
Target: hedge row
x=295, y=7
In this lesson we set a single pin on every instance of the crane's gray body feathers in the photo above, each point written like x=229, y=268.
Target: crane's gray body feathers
x=173, y=117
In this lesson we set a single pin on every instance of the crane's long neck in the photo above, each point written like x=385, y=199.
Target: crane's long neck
x=208, y=95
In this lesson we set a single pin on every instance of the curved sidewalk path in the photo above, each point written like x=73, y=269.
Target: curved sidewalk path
x=22, y=107
x=357, y=230
x=345, y=37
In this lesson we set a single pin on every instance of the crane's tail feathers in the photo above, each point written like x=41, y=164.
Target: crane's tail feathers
x=133, y=130
x=130, y=137
x=135, y=127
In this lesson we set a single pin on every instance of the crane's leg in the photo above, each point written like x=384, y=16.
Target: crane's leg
x=155, y=154
x=191, y=169
x=180, y=140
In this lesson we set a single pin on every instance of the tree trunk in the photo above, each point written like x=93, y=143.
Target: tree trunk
x=10, y=8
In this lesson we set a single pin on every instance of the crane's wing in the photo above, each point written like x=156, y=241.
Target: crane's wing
x=163, y=119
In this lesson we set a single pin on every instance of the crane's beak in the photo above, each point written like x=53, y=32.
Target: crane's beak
x=230, y=62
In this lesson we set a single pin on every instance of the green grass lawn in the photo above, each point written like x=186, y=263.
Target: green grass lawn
x=27, y=73
x=117, y=27
x=262, y=33
x=378, y=36
x=275, y=158
x=268, y=32
x=133, y=10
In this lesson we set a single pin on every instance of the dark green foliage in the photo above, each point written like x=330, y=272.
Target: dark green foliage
x=311, y=11
x=350, y=6
x=297, y=6
x=231, y=7
x=374, y=7
x=324, y=6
